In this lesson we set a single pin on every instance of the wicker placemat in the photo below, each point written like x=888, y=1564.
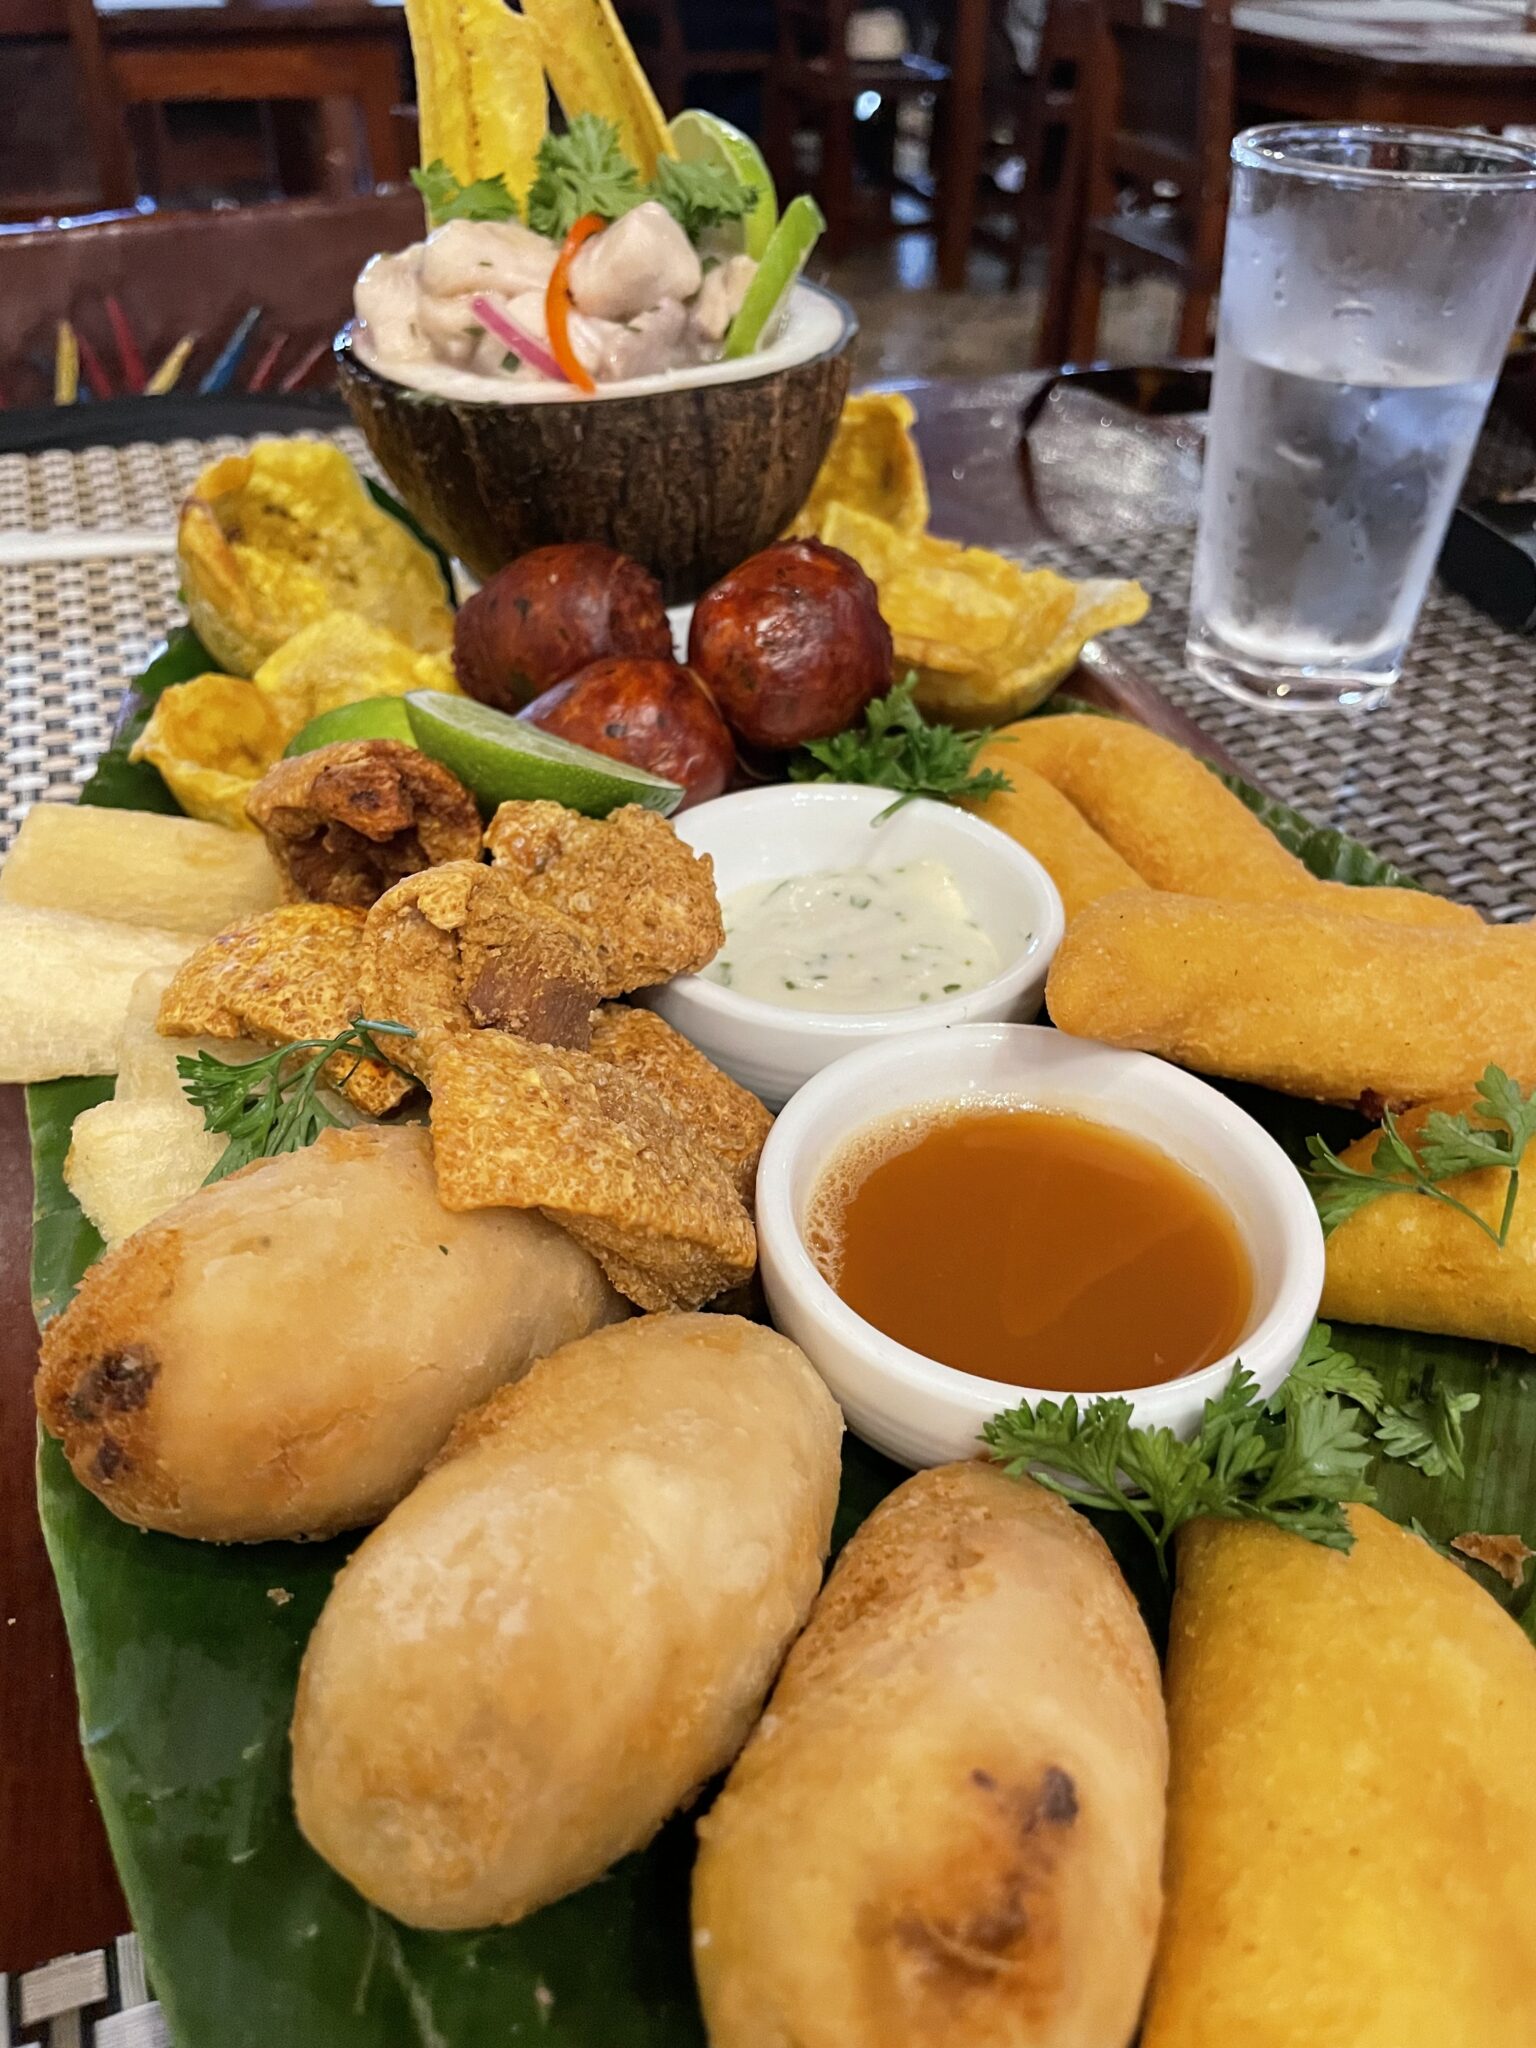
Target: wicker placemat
x=1436, y=780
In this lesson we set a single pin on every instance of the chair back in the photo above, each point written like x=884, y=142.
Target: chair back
x=814, y=33
x=175, y=274
x=655, y=30
x=1164, y=101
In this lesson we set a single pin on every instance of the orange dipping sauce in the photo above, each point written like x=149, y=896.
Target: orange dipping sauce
x=1032, y=1247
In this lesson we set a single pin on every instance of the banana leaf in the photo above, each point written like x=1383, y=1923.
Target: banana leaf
x=186, y=1658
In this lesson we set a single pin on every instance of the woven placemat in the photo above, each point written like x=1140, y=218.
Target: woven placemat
x=1436, y=780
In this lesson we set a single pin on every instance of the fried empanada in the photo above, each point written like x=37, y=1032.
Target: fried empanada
x=725, y=1117
x=526, y=1126
x=647, y=900
x=462, y=947
x=346, y=822
x=288, y=974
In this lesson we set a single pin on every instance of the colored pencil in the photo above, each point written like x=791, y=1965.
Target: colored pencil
x=129, y=361
x=267, y=362
x=165, y=377
x=93, y=368
x=305, y=364
x=66, y=366
x=221, y=374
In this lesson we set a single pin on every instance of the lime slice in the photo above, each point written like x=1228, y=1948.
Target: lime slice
x=701, y=138
x=371, y=718
x=783, y=260
x=506, y=760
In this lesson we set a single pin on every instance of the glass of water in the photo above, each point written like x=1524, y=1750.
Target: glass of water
x=1372, y=279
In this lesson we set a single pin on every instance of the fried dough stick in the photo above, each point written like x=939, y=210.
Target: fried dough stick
x=948, y=1827
x=1414, y=1264
x=1180, y=828
x=1351, y=1806
x=1298, y=998
x=1079, y=860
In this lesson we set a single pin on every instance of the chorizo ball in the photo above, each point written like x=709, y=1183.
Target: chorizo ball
x=791, y=645
x=654, y=714
x=548, y=614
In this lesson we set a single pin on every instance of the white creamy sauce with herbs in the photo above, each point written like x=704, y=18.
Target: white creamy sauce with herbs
x=852, y=939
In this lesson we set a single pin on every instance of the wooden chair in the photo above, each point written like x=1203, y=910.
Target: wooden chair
x=1046, y=132
x=813, y=80
x=1159, y=125
x=655, y=28
x=340, y=61
x=192, y=273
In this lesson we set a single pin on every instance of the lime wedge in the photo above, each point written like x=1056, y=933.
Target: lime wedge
x=506, y=760
x=791, y=242
x=371, y=718
x=701, y=138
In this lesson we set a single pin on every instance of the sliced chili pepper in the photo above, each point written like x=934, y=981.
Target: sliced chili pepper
x=557, y=302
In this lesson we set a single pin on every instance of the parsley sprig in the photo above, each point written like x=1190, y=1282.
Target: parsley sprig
x=272, y=1104
x=1293, y=1461
x=586, y=171
x=447, y=199
x=898, y=749
x=1449, y=1145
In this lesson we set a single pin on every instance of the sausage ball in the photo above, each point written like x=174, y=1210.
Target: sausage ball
x=654, y=714
x=791, y=644
x=548, y=614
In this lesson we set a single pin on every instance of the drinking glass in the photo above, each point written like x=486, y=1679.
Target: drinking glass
x=1372, y=279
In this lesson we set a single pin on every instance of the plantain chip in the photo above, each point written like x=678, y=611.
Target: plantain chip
x=983, y=697
x=594, y=71
x=272, y=540
x=481, y=98
x=216, y=736
x=212, y=739
x=873, y=465
x=342, y=659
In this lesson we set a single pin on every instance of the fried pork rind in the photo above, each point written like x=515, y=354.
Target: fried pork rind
x=212, y=739
x=525, y=1126
x=288, y=974
x=988, y=639
x=273, y=540
x=647, y=901
x=725, y=1117
x=462, y=947
x=873, y=466
x=346, y=822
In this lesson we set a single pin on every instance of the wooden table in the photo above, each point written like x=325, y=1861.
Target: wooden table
x=1429, y=63
x=58, y=1894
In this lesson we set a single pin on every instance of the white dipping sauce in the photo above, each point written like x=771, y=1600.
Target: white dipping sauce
x=852, y=939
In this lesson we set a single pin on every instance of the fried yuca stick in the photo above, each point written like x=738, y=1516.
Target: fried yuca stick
x=1180, y=828
x=1413, y=1264
x=1352, y=1809
x=1080, y=861
x=1298, y=998
x=948, y=1826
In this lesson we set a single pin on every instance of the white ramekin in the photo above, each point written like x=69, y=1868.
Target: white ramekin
x=762, y=835
x=924, y=1413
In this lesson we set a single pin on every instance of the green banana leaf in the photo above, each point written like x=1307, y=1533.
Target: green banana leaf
x=186, y=1658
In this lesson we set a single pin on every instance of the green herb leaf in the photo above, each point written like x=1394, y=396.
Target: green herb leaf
x=1293, y=1461
x=270, y=1105
x=1427, y=1432
x=898, y=749
x=700, y=196
x=447, y=199
x=582, y=171
x=1450, y=1145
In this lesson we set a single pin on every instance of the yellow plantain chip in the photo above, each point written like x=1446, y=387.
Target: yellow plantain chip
x=873, y=466
x=341, y=659
x=273, y=540
x=212, y=739
x=594, y=71
x=507, y=106
x=983, y=697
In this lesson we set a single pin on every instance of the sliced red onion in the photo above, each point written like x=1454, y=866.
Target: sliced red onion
x=523, y=345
